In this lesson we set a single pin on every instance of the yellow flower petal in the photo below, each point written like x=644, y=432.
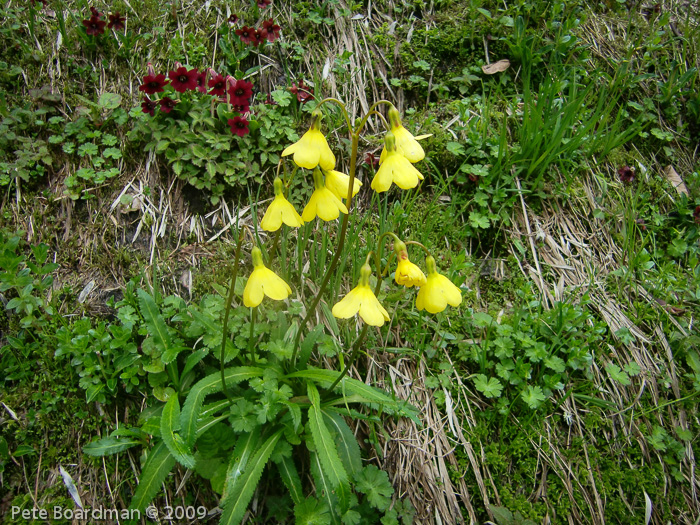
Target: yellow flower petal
x=323, y=204
x=397, y=169
x=338, y=183
x=408, y=274
x=280, y=211
x=311, y=150
x=406, y=144
x=264, y=281
x=361, y=299
x=437, y=293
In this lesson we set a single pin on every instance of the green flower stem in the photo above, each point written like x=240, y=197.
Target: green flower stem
x=229, y=300
x=416, y=243
x=358, y=341
x=355, y=134
x=251, y=334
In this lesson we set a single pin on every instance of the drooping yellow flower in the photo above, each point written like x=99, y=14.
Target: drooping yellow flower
x=406, y=143
x=263, y=281
x=338, y=183
x=407, y=273
x=437, y=292
x=395, y=169
x=280, y=211
x=322, y=202
x=362, y=299
x=312, y=148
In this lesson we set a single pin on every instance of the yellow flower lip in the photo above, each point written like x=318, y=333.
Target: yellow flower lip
x=323, y=203
x=280, y=211
x=312, y=149
x=398, y=170
x=263, y=282
x=362, y=300
x=437, y=292
x=407, y=273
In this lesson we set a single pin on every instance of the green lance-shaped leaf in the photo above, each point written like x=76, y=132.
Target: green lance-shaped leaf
x=210, y=385
x=290, y=478
x=325, y=448
x=348, y=386
x=109, y=445
x=246, y=446
x=345, y=441
x=159, y=463
x=240, y=492
x=324, y=488
x=169, y=425
x=154, y=321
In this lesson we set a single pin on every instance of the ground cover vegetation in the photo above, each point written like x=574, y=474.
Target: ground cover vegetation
x=350, y=262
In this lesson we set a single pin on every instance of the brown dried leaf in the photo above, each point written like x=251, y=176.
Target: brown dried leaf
x=496, y=67
x=675, y=180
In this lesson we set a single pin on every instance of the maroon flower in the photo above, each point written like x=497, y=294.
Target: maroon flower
x=626, y=174
x=239, y=126
x=696, y=214
x=240, y=92
x=270, y=30
x=167, y=104
x=240, y=108
x=94, y=26
x=116, y=21
x=149, y=106
x=246, y=34
x=153, y=84
x=217, y=83
x=303, y=92
x=257, y=37
x=202, y=81
x=269, y=100
x=262, y=4
x=181, y=79
x=233, y=19
x=95, y=12
x=371, y=159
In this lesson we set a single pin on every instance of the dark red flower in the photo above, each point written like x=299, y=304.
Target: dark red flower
x=257, y=37
x=116, y=21
x=240, y=108
x=240, y=92
x=303, y=92
x=371, y=159
x=202, y=82
x=696, y=215
x=239, y=126
x=233, y=19
x=217, y=84
x=153, y=84
x=626, y=174
x=167, y=104
x=262, y=4
x=246, y=34
x=95, y=12
x=181, y=79
x=269, y=100
x=94, y=26
x=270, y=30
x=149, y=106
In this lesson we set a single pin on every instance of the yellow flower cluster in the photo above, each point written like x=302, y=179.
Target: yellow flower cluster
x=401, y=151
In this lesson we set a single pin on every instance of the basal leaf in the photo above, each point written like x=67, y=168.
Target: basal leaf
x=290, y=478
x=154, y=321
x=345, y=440
x=210, y=385
x=109, y=445
x=240, y=492
x=159, y=463
x=169, y=425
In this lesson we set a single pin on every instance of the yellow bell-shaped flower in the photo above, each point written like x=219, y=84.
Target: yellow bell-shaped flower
x=362, y=299
x=437, y=292
x=395, y=169
x=407, y=273
x=263, y=281
x=323, y=202
x=339, y=183
x=280, y=211
x=406, y=143
x=312, y=148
